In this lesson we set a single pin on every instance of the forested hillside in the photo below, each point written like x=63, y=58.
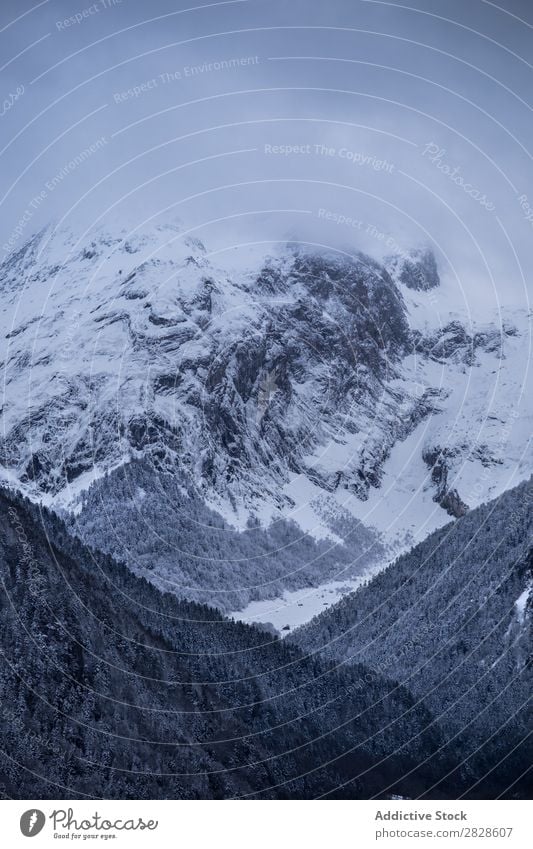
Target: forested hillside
x=111, y=688
x=159, y=525
x=452, y=621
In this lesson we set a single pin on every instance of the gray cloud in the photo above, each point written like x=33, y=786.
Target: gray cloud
x=246, y=119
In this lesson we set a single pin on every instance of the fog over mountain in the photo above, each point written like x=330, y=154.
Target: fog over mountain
x=420, y=118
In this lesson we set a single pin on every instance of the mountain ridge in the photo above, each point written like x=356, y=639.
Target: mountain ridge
x=453, y=618
x=311, y=386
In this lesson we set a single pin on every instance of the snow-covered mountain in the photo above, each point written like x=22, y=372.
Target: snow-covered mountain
x=307, y=384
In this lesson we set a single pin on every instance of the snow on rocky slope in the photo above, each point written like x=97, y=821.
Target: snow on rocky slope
x=316, y=386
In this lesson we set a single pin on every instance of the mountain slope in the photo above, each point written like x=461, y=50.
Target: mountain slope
x=169, y=356
x=111, y=688
x=318, y=387
x=452, y=620
x=159, y=525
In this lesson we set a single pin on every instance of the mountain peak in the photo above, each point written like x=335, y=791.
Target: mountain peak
x=299, y=372
x=417, y=269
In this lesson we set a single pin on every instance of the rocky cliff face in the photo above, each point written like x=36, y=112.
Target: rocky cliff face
x=417, y=270
x=299, y=379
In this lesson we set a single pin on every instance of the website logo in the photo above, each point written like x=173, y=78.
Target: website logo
x=32, y=822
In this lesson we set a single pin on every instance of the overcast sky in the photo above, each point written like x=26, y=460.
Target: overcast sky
x=414, y=121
